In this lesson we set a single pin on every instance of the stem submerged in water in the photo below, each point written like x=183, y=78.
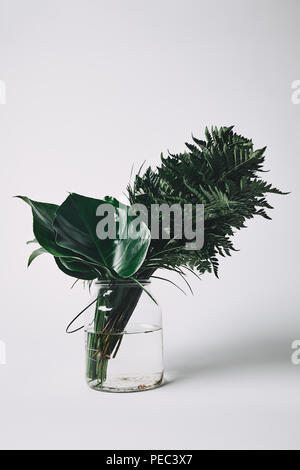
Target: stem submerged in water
x=114, y=307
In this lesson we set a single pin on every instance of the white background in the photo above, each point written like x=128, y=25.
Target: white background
x=94, y=86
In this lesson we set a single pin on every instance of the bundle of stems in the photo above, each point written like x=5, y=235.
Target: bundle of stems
x=105, y=334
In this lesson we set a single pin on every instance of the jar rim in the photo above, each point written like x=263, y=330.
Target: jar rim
x=123, y=282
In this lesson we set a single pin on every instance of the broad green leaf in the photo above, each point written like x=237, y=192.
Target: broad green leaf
x=75, y=270
x=43, y=216
x=75, y=225
x=35, y=254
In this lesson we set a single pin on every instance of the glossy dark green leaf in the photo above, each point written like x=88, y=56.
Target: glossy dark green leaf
x=43, y=216
x=75, y=269
x=35, y=254
x=75, y=226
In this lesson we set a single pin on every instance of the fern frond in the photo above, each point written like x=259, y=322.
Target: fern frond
x=220, y=172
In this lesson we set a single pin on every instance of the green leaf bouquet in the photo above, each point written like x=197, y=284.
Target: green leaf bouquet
x=221, y=172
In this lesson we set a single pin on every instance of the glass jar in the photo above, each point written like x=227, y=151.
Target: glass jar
x=124, y=340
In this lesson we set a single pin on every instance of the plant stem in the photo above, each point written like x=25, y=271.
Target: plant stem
x=112, y=313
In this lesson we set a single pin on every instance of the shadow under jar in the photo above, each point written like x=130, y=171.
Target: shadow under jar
x=124, y=338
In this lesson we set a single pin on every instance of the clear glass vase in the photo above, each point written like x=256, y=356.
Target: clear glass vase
x=124, y=340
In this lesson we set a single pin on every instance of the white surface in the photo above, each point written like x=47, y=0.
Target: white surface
x=91, y=88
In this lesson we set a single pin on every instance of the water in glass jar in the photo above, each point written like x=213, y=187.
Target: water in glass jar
x=138, y=364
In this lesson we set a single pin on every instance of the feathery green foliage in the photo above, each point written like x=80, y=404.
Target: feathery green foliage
x=220, y=172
